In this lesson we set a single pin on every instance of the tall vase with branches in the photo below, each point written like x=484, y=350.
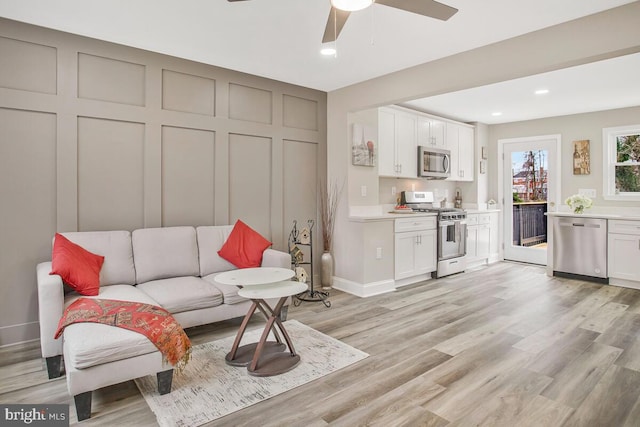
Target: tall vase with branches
x=329, y=198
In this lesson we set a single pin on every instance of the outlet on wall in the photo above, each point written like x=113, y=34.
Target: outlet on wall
x=393, y=190
x=378, y=253
x=363, y=191
x=589, y=192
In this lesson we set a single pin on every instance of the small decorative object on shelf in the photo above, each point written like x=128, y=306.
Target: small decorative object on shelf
x=305, y=236
x=298, y=240
x=579, y=203
x=301, y=274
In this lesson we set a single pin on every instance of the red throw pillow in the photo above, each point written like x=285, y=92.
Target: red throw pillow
x=244, y=247
x=78, y=267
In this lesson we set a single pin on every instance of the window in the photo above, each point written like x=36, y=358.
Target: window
x=621, y=162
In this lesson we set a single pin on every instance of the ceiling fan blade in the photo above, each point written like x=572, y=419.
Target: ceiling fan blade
x=337, y=19
x=231, y=1
x=429, y=8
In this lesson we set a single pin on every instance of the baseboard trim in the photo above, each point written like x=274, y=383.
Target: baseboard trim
x=363, y=290
x=19, y=334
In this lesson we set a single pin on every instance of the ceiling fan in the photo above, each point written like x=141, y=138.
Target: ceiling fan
x=341, y=9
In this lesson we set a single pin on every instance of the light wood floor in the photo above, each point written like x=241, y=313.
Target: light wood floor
x=503, y=345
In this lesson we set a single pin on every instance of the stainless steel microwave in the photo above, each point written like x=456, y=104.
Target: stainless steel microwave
x=434, y=163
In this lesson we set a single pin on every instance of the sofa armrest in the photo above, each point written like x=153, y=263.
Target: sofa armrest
x=275, y=258
x=50, y=309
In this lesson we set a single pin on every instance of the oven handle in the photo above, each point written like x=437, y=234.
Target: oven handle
x=448, y=223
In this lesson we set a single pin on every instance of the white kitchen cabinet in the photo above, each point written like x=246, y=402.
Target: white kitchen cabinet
x=494, y=236
x=624, y=250
x=415, y=247
x=431, y=132
x=481, y=238
x=461, y=142
x=397, y=143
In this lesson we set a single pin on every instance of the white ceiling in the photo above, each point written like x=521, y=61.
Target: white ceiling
x=281, y=39
x=604, y=85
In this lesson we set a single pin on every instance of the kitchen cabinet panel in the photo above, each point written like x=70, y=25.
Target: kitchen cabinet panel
x=415, y=246
x=431, y=132
x=623, y=249
x=460, y=141
x=397, y=143
x=482, y=238
x=386, y=142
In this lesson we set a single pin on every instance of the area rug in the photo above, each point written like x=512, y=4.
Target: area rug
x=209, y=389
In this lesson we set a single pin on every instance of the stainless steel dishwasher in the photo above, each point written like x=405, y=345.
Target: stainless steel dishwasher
x=580, y=248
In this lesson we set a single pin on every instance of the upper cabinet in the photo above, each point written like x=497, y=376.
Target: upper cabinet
x=431, y=132
x=401, y=131
x=460, y=141
x=397, y=145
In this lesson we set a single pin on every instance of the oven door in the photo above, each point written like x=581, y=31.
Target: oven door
x=452, y=241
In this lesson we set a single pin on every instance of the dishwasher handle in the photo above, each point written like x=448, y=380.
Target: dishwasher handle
x=578, y=224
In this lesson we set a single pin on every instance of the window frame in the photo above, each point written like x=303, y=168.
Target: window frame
x=610, y=155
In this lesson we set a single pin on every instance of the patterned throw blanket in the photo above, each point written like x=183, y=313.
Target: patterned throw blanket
x=153, y=322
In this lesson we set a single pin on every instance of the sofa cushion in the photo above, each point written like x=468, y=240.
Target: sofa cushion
x=179, y=294
x=115, y=246
x=160, y=253
x=77, y=267
x=229, y=292
x=244, y=247
x=210, y=241
x=90, y=344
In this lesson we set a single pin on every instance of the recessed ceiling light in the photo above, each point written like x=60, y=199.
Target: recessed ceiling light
x=351, y=5
x=542, y=91
x=496, y=114
x=328, y=51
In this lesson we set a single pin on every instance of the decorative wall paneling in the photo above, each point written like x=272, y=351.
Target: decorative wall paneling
x=98, y=136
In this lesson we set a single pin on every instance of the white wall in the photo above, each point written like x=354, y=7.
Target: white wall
x=571, y=128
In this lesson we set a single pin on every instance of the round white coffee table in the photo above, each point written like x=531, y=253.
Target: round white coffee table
x=247, y=278
x=267, y=363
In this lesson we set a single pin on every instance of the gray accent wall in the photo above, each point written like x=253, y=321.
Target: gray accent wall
x=98, y=136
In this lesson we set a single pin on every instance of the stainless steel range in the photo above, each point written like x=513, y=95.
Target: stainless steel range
x=452, y=231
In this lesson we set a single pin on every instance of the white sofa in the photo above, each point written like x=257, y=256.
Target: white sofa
x=173, y=267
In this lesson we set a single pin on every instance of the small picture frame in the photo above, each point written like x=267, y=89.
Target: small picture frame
x=485, y=155
x=363, y=145
x=581, y=157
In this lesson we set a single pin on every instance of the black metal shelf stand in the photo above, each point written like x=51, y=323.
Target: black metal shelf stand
x=297, y=260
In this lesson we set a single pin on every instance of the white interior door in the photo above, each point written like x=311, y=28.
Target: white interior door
x=529, y=184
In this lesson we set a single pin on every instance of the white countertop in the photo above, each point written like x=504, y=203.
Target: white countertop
x=377, y=213
x=601, y=215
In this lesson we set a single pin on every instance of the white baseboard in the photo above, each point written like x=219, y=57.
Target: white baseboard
x=18, y=334
x=411, y=280
x=363, y=289
x=624, y=283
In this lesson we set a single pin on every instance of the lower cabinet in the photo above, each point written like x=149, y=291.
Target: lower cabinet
x=415, y=247
x=482, y=238
x=623, y=250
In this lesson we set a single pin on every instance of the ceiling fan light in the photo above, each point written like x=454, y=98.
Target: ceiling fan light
x=327, y=51
x=351, y=5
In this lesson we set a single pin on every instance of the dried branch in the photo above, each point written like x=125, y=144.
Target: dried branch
x=329, y=198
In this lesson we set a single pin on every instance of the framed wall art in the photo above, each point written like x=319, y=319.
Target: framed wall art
x=581, y=157
x=363, y=145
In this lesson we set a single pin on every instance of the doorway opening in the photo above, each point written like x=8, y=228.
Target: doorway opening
x=528, y=184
